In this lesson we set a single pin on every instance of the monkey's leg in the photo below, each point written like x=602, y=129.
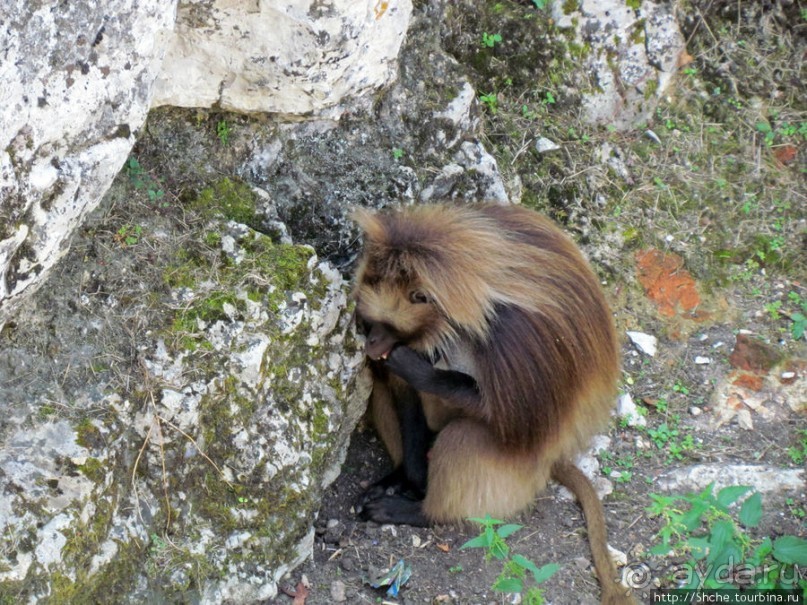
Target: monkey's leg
x=400, y=491
x=471, y=475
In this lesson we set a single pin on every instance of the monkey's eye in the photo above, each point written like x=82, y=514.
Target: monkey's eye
x=418, y=297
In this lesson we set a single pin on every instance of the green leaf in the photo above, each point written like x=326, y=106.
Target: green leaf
x=488, y=520
x=760, y=552
x=660, y=550
x=693, y=579
x=691, y=520
x=751, y=511
x=721, y=537
x=545, y=572
x=699, y=547
x=507, y=530
x=499, y=549
x=790, y=549
x=508, y=585
x=722, y=560
x=763, y=127
x=478, y=542
x=729, y=495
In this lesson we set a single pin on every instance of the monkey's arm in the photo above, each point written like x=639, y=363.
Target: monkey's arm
x=453, y=387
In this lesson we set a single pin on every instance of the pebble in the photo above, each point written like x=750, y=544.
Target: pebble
x=347, y=563
x=543, y=145
x=338, y=591
x=702, y=361
x=646, y=343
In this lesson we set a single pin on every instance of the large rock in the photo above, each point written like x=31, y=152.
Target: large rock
x=76, y=87
x=631, y=56
x=197, y=397
x=292, y=58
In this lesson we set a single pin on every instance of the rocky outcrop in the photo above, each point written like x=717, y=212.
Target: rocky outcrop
x=289, y=58
x=78, y=83
x=194, y=464
x=76, y=88
x=630, y=54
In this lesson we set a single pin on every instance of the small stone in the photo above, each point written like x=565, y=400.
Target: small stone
x=544, y=145
x=626, y=408
x=695, y=411
x=347, y=563
x=702, y=361
x=646, y=343
x=338, y=591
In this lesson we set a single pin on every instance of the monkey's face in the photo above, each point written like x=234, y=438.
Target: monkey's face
x=403, y=313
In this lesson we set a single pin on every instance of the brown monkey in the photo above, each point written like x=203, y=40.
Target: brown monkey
x=495, y=361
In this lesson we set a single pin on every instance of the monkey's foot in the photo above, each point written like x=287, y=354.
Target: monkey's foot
x=396, y=509
x=393, y=484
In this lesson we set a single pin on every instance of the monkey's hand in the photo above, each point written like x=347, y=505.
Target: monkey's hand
x=410, y=365
x=454, y=387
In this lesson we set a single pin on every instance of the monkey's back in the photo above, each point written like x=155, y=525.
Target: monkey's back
x=530, y=308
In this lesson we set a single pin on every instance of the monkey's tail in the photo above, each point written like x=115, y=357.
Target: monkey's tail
x=571, y=477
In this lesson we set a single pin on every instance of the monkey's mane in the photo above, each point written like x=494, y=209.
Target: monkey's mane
x=522, y=293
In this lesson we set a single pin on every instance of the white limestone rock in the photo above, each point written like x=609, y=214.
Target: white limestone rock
x=77, y=84
x=290, y=58
x=633, y=58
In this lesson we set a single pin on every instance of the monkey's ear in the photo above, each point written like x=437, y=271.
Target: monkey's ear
x=370, y=222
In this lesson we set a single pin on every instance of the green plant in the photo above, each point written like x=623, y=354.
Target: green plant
x=223, y=131
x=490, y=40
x=515, y=567
x=397, y=153
x=128, y=235
x=681, y=388
x=796, y=510
x=799, y=317
x=140, y=179
x=721, y=554
x=623, y=465
x=798, y=454
x=491, y=101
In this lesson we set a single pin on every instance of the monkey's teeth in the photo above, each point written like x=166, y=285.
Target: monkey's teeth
x=385, y=355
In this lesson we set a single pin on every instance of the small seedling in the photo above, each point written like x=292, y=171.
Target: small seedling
x=223, y=131
x=515, y=567
x=798, y=454
x=397, y=153
x=681, y=388
x=490, y=40
x=141, y=179
x=128, y=235
x=491, y=101
x=799, y=317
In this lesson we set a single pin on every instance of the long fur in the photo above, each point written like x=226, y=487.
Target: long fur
x=512, y=303
x=511, y=283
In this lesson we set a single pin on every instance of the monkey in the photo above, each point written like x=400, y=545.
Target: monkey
x=494, y=359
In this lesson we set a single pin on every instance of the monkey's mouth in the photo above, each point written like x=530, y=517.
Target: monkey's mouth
x=385, y=355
